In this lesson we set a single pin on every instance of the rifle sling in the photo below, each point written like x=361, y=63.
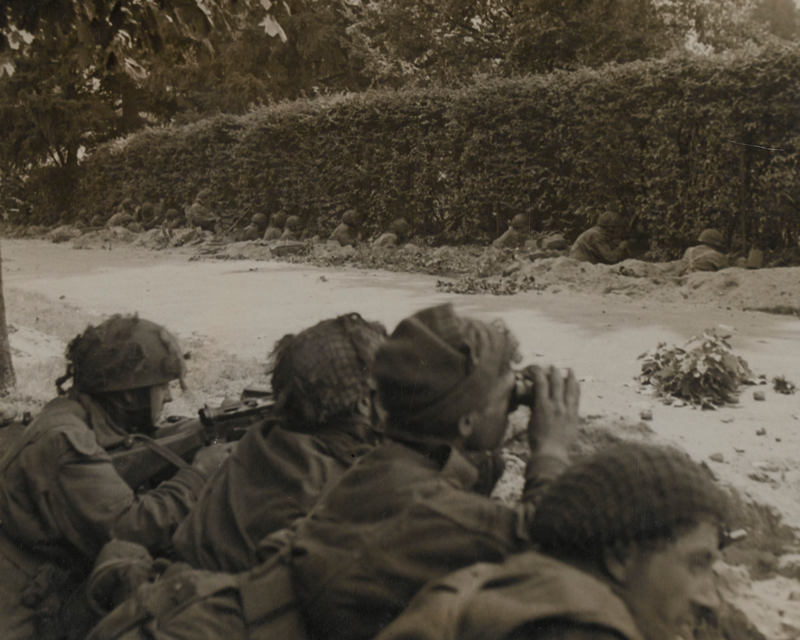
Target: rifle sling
x=160, y=450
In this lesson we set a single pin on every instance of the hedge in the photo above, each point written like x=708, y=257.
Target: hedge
x=678, y=144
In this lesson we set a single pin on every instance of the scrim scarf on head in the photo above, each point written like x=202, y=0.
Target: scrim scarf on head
x=327, y=365
x=629, y=493
x=437, y=367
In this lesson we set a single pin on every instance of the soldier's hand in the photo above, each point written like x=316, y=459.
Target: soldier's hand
x=553, y=426
x=210, y=458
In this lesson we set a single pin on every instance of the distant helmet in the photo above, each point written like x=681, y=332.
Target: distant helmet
x=519, y=221
x=609, y=220
x=127, y=203
x=124, y=352
x=400, y=227
x=713, y=238
x=277, y=220
x=294, y=223
x=350, y=217
x=259, y=219
x=147, y=210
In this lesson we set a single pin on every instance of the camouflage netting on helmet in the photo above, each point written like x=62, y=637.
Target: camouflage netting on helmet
x=124, y=352
x=630, y=493
x=328, y=365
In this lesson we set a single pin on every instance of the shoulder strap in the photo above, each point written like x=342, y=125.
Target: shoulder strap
x=47, y=420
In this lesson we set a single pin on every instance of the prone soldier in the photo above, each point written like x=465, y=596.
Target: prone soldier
x=594, y=245
x=61, y=498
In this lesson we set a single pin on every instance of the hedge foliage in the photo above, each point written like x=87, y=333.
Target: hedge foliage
x=680, y=144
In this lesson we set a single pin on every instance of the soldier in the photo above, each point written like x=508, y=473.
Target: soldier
x=708, y=255
x=398, y=234
x=515, y=236
x=255, y=230
x=275, y=228
x=199, y=215
x=124, y=216
x=405, y=513
x=625, y=546
x=325, y=419
x=294, y=228
x=61, y=498
x=594, y=245
x=346, y=234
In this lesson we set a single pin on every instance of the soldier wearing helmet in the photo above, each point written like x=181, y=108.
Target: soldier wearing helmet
x=255, y=230
x=708, y=255
x=275, y=228
x=61, y=498
x=199, y=214
x=399, y=232
x=293, y=229
x=594, y=245
x=516, y=234
x=346, y=234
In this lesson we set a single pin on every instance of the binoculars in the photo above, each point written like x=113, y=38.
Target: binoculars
x=524, y=393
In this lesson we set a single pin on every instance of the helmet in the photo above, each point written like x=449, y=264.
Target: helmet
x=713, y=238
x=294, y=222
x=259, y=219
x=609, y=220
x=127, y=203
x=277, y=220
x=519, y=221
x=400, y=227
x=147, y=210
x=350, y=217
x=122, y=353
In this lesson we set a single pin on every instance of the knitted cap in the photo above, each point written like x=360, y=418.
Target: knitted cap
x=327, y=365
x=632, y=492
x=437, y=367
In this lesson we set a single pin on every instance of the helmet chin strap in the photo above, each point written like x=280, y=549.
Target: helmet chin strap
x=129, y=410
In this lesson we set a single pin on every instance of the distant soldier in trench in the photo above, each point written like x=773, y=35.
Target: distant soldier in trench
x=516, y=234
x=708, y=255
x=200, y=215
x=594, y=245
x=398, y=234
x=275, y=229
x=346, y=234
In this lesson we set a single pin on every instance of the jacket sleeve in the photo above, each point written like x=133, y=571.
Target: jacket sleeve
x=94, y=503
x=606, y=254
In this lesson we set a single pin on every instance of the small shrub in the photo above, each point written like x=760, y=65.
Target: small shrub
x=705, y=372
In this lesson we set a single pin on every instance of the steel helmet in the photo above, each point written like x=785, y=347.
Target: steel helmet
x=713, y=238
x=294, y=222
x=519, y=221
x=124, y=352
x=277, y=220
x=609, y=220
x=350, y=217
x=400, y=227
x=259, y=219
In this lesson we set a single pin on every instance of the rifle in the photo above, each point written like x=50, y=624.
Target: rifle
x=144, y=462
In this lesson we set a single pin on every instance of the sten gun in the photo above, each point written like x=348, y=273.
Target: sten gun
x=144, y=461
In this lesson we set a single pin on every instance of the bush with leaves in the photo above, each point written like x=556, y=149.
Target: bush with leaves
x=705, y=372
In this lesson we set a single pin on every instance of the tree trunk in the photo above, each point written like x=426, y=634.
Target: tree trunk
x=7, y=377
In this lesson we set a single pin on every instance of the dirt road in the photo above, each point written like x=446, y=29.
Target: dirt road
x=241, y=307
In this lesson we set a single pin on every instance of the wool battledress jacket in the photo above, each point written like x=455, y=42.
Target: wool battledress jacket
x=529, y=597
x=61, y=500
x=274, y=477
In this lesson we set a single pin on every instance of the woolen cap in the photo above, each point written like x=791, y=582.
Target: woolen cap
x=629, y=493
x=437, y=366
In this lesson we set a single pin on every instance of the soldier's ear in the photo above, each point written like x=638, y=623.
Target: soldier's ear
x=619, y=561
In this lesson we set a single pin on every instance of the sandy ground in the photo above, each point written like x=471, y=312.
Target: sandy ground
x=229, y=314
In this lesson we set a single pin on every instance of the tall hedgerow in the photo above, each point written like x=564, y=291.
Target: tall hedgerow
x=681, y=144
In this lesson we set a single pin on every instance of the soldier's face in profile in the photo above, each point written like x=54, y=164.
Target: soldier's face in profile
x=160, y=394
x=665, y=586
x=490, y=422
